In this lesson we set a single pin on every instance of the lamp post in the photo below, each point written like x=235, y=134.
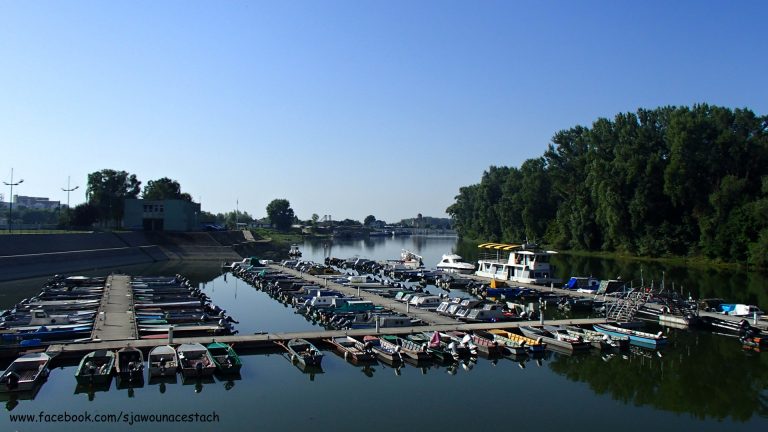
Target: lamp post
x=69, y=210
x=10, y=199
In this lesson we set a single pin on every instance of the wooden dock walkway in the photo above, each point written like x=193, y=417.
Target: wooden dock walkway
x=115, y=320
x=431, y=318
x=267, y=340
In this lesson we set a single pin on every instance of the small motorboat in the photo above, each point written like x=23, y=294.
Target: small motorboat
x=96, y=368
x=163, y=361
x=225, y=358
x=130, y=364
x=25, y=373
x=195, y=360
x=304, y=352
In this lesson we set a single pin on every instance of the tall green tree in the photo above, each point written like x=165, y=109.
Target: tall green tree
x=107, y=191
x=163, y=189
x=666, y=181
x=280, y=214
x=369, y=220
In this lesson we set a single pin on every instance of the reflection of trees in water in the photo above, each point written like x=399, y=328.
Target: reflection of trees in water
x=704, y=375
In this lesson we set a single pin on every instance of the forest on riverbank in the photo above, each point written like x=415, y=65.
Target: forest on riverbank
x=671, y=181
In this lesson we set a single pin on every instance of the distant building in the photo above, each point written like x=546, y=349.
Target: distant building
x=40, y=203
x=161, y=215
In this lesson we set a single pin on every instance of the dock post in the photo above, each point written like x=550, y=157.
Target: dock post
x=407, y=307
x=552, y=286
x=377, y=324
x=754, y=318
x=358, y=290
x=170, y=335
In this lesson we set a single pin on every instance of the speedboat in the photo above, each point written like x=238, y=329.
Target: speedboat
x=455, y=263
x=294, y=252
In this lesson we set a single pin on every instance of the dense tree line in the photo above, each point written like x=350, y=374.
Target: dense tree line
x=669, y=181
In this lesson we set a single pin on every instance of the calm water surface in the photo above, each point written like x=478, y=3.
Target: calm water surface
x=700, y=382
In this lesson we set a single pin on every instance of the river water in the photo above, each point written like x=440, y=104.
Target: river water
x=700, y=382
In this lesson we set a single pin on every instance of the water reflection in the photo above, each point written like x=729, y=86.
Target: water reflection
x=92, y=389
x=702, y=374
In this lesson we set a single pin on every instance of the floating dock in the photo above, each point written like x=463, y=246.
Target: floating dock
x=115, y=319
x=267, y=340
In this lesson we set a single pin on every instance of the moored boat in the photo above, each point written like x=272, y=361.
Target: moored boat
x=556, y=339
x=163, y=361
x=304, y=352
x=517, y=344
x=25, y=373
x=96, y=368
x=195, y=360
x=636, y=337
x=456, y=264
x=225, y=358
x=352, y=349
x=599, y=340
x=388, y=354
x=526, y=263
x=129, y=364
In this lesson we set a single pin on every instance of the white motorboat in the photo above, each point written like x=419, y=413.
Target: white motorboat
x=163, y=361
x=25, y=373
x=455, y=263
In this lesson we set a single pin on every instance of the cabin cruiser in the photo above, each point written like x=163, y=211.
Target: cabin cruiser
x=527, y=263
x=455, y=263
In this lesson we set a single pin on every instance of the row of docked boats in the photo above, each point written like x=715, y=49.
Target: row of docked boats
x=324, y=306
x=63, y=311
x=454, y=346
x=165, y=303
x=98, y=367
x=128, y=364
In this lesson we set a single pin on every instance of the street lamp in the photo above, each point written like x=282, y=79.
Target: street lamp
x=10, y=199
x=69, y=211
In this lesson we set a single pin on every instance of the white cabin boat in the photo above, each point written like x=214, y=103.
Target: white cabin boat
x=456, y=264
x=488, y=313
x=526, y=263
x=427, y=302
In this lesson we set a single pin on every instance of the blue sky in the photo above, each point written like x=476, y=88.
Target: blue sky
x=345, y=108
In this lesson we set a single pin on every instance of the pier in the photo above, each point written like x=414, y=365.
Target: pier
x=424, y=315
x=115, y=320
x=267, y=340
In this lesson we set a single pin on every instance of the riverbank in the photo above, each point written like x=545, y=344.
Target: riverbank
x=699, y=262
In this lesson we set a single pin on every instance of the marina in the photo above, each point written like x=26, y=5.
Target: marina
x=258, y=352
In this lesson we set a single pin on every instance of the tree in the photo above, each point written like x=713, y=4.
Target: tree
x=163, y=189
x=369, y=220
x=280, y=214
x=83, y=216
x=107, y=191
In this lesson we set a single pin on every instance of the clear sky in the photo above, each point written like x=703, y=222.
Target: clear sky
x=351, y=107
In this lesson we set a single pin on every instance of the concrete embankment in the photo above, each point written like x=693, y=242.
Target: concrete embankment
x=29, y=255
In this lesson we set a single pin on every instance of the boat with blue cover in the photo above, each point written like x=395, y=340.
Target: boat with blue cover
x=636, y=337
